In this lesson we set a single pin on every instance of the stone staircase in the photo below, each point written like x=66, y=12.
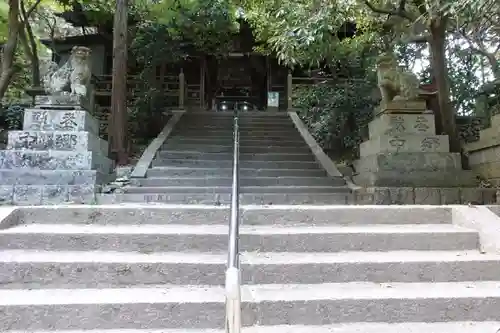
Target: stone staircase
x=146, y=269
x=276, y=165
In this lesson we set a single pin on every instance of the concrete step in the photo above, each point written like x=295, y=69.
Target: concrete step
x=148, y=238
x=259, y=132
x=209, y=199
x=227, y=172
x=244, y=181
x=244, y=141
x=279, y=215
x=190, y=123
x=346, y=215
x=243, y=136
x=415, y=327
x=452, y=327
x=101, y=269
x=287, y=127
x=247, y=164
x=217, y=199
x=272, y=156
x=205, y=148
x=282, y=189
x=203, y=307
x=126, y=215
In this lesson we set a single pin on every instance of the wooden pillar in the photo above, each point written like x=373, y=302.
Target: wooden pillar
x=182, y=88
x=118, y=140
x=289, y=88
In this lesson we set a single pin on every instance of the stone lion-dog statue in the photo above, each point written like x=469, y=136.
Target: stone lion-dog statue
x=74, y=73
x=394, y=83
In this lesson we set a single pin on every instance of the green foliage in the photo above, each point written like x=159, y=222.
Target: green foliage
x=305, y=32
x=337, y=113
x=169, y=32
x=13, y=116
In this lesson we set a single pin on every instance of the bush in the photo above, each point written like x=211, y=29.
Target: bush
x=337, y=114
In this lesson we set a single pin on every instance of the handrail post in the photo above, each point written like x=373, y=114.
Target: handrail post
x=182, y=88
x=233, y=280
x=289, y=92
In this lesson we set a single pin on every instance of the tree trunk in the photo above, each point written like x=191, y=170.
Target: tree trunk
x=30, y=46
x=9, y=49
x=439, y=66
x=118, y=139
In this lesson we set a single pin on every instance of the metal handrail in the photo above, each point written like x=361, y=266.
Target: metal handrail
x=233, y=285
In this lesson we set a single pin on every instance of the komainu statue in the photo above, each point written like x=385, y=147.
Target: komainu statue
x=74, y=74
x=393, y=82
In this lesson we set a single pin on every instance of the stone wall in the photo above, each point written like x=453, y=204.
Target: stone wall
x=484, y=154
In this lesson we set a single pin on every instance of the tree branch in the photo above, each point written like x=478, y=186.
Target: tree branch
x=401, y=12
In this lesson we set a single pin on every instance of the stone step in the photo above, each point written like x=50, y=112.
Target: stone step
x=247, y=164
x=57, y=140
x=244, y=128
x=126, y=215
x=279, y=215
x=190, y=123
x=291, y=136
x=247, y=116
x=415, y=327
x=217, y=199
x=203, y=307
x=148, y=238
x=100, y=269
x=53, y=160
x=227, y=172
x=243, y=189
x=347, y=215
x=59, y=120
x=205, y=148
x=255, y=157
x=245, y=141
x=52, y=177
x=244, y=181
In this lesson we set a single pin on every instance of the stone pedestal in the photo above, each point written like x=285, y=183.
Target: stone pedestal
x=56, y=158
x=403, y=150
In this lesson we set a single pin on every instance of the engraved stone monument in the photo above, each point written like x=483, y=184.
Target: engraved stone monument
x=403, y=150
x=58, y=156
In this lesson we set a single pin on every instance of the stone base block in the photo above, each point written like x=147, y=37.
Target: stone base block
x=398, y=178
x=424, y=196
x=409, y=162
x=402, y=106
x=59, y=120
x=47, y=194
x=57, y=140
x=54, y=160
x=66, y=100
x=488, y=170
x=53, y=177
x=396, y=124
x=488, y=155
x=405, y=143
x=489, y=137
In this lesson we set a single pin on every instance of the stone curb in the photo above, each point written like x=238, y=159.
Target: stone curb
x=320, y=156
x=147, y=157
